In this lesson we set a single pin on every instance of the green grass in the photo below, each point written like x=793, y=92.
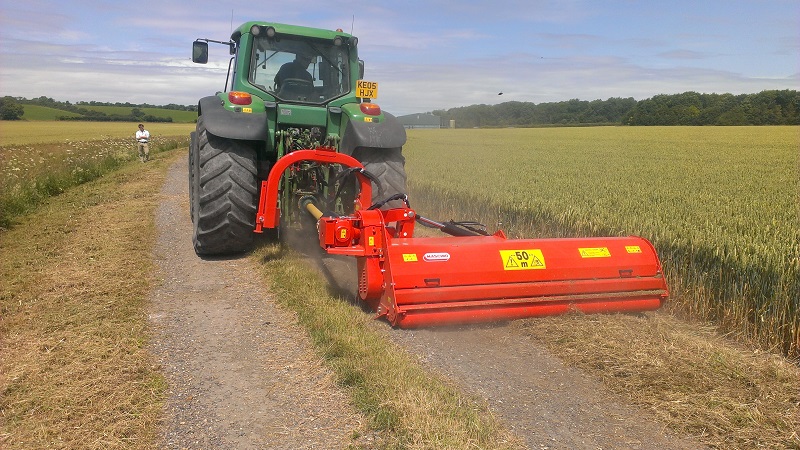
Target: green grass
x=36, y=112
x=73, y=373
x=410, y=407
x=14, y=133
x=177, y=116
x=74, y=282
x=685, y=375
x=31, y=173
x=719, y=203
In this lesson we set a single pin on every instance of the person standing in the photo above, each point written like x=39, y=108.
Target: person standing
x=142, y=139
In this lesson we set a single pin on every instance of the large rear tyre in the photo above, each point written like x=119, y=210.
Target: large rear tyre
x=226, y=196
x=194, y=169
x=388, y=166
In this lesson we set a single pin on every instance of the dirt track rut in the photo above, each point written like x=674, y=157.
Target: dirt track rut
x=550, y=405
x=241, y=374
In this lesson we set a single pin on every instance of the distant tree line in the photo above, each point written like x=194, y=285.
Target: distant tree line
x=171, y=106
x=691, y=108
x=11, y=109
x=136, y=115
x=688, y=108
x=771, y=107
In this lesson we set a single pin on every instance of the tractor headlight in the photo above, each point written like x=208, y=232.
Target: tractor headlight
x=256, y=30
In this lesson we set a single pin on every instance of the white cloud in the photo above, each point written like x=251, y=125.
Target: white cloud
x=428, y=55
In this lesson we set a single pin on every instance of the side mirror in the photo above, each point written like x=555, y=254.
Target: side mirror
x=360, y=69
x=200, y=52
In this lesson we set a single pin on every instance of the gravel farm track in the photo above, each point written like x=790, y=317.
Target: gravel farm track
x=242, y=374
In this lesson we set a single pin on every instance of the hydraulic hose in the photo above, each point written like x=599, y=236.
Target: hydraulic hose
x=451, y=228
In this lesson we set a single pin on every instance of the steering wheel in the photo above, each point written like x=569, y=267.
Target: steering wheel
x=295, y=88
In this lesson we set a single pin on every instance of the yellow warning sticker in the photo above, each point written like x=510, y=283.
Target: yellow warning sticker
x=595, y=252
x=633, y=249
x=367, y=119
x=522, y=259
x=409, y=257
x=371, y=241
x=247, y=110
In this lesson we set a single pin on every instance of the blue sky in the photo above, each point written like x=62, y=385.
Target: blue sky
x=425, y=55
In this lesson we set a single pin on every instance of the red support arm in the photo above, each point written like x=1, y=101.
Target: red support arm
x=269, y=213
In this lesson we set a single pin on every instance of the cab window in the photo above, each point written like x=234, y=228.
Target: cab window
x=297, y=70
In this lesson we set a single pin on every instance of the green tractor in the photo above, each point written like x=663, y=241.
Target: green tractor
x=288, y=88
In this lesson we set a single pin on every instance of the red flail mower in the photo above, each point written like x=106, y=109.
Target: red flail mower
x=468, y=275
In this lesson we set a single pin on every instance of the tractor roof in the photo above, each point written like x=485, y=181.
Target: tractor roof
x=295, y=30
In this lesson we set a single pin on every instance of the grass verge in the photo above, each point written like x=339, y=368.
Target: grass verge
x=686, y=375
x=33, y=174
x=689, y=377
x=407, y=406
x=74, y=278
x=22, y=132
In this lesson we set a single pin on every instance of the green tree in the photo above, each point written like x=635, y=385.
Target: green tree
x=10, y=109
x=688, y=108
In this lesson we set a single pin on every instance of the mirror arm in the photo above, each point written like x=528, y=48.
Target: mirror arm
x=230, y=44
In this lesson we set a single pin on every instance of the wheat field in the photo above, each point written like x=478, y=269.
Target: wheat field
x=719, y=203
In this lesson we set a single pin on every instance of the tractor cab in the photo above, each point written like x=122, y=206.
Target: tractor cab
x=290, y=64
x=298, y=69
x=288, y=88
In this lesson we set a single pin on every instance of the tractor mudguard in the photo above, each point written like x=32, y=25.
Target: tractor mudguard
x=387, y=132
x=230, y=124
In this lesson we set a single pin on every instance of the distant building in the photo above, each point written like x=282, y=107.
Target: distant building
x=425, y=120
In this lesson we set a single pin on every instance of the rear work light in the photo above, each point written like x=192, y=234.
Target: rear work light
x=239, y=98
x=371, y=109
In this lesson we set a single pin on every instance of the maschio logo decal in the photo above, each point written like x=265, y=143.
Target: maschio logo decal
x=434, y=257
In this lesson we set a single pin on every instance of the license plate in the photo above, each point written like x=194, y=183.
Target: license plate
x=366, y=89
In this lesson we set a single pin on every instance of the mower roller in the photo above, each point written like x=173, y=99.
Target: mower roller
x=470, y=276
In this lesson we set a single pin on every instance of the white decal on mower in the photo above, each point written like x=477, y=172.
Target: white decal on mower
x=435, y=257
